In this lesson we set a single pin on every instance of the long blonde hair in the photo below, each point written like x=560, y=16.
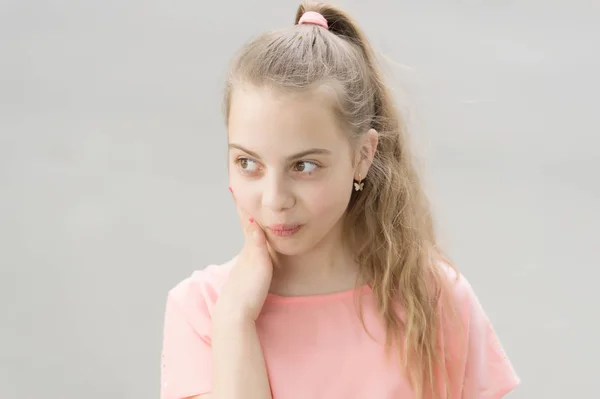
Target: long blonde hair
x=392, y=229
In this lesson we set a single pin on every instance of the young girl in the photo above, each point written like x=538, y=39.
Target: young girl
x=340, y=290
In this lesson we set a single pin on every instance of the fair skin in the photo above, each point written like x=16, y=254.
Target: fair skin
x=291, y=170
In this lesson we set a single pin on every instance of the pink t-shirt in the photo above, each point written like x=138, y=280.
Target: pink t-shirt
x=316, y=346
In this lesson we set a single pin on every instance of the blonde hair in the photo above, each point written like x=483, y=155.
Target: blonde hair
x=392, y=229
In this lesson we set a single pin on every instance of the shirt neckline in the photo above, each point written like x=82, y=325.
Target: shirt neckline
x=316, y=298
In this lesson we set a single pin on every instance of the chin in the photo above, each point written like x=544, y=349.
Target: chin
x=297, y=244
x=289, y=247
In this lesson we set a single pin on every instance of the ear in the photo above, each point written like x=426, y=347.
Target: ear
x=365, y=152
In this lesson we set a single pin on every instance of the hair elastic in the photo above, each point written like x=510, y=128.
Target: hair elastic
x=314, y=18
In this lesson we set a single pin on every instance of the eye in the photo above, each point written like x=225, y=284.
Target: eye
x=305, y=167
x=247, y=165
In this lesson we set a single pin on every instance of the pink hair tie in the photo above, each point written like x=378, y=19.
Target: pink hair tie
x=312, y=17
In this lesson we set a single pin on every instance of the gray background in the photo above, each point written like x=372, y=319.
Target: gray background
x=113, y=177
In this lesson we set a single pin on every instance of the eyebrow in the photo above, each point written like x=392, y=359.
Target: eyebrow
x=311, y=151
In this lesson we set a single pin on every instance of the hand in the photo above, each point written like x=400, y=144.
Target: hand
x=247, y=286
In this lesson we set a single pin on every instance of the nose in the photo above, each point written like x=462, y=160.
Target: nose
x=277, y=195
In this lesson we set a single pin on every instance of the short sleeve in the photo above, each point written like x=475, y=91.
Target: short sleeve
x=186, y=350
x=488, y=373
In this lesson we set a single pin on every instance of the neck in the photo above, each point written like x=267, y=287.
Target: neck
x=327, y=268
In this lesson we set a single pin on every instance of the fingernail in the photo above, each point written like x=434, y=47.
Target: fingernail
x=230, y=190
x=251, y=220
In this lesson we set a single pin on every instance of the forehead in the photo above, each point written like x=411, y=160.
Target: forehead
x=263, y=118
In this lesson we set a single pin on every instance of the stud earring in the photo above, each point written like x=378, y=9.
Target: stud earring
x=359, y=184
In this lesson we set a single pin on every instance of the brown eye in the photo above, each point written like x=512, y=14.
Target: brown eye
x=247, y=165
x=305, y=167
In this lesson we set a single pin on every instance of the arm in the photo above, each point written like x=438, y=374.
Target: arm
x=238, y=361
x=230, y=365
x=238, y=364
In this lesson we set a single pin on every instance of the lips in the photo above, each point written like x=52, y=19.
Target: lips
x=284, y=230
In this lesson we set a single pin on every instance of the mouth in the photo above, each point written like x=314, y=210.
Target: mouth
x=284, y=230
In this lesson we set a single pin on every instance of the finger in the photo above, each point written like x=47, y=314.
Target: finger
x=243, y=215
x=245, y=220
x=253, y=232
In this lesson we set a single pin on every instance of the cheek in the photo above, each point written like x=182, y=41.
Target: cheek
x=246, y=195
x=330, y=199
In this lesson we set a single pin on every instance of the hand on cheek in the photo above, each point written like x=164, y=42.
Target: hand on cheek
x=245, y=218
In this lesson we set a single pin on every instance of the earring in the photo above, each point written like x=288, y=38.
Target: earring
x=359, y=185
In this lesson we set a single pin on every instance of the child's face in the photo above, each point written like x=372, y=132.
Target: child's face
x=290, y=167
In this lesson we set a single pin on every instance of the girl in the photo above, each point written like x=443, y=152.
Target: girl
x=340, y=290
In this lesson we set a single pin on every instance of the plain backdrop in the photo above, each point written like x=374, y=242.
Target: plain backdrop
x=113, y=183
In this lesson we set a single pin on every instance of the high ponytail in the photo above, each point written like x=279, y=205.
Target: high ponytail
x=389, y=223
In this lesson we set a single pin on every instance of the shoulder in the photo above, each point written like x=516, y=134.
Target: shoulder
x=473, y=347
x=459, y=302
x=198, y=293
x=186, y=343
x=456, y=284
